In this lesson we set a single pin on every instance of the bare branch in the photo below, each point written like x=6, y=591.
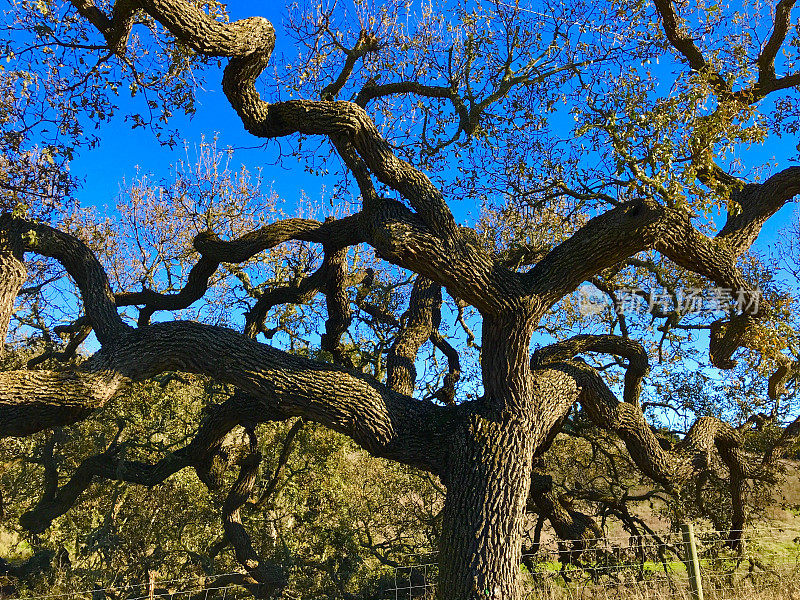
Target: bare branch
x=68, y=353
x=366, y=43
x=112, y=465
x=766, y=59
x=447, y=393
x=636, y=370
x=196, y=286
x=298, y=292
x=333, y=234
x=269, y=575
x=684, y=44
x=421, y=320
x=83, y=267
x=754, y=204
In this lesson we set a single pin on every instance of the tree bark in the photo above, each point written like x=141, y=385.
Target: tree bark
x=488, y=472
x=12, y=276
x=483, y=518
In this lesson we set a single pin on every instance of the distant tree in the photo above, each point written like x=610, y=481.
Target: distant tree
x=340, y=518
x=630, y=198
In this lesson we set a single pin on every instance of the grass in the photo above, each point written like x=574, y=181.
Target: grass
x=619, y=569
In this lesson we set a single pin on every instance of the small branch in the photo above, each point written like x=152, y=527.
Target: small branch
x=766, y=59
x=421, y=320
x=686, y=46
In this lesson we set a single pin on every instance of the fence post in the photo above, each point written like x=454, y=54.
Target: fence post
x=692, y=562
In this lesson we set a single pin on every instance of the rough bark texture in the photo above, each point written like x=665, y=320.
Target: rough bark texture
x=422, y=319
x=710, y=445
x=568, y=523
x=488, y=472
x=12, y=276
x=488, y=478
x=32, y=401
x=484, y=450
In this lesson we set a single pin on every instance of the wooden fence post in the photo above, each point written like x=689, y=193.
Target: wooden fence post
x=692, y=562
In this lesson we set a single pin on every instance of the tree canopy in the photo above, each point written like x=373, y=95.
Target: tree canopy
x=609, y=288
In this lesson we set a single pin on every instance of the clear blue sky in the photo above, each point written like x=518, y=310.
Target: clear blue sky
x=122, y=149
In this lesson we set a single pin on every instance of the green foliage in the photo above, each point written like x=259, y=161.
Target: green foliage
x=338, y=518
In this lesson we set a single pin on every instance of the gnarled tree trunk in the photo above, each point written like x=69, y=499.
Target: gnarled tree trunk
x=488, y=471
x=487, y=487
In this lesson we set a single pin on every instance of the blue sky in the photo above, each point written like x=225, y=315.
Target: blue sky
x=123, y=149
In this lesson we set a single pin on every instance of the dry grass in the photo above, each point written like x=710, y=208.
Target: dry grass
x=784, y=589
x=767, y=566
x=721, y=580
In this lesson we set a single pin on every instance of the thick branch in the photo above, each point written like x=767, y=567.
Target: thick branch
x=709, y=444
x=568, y=523
x=196, y=286
x=421, y=321
x=604, y=241
x=299, y=292
x=447, y=393
x=337, y=302
x=686, y=246
x=636, y=370
x=77, y=337
x=32, y=401
x=371, y=92
x=760, y=90
x=754, y=204
x=384, y=422
x=467, y=271
x=12, y=277
x=460, y=264
x=366, y=43
x=334, y=234
x=83, y=267
x=621, y=232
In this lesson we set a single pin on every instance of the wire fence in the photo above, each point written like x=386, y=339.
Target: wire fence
x=170, y=589
x=764, y=565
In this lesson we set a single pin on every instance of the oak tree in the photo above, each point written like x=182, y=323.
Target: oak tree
x=415, y=114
